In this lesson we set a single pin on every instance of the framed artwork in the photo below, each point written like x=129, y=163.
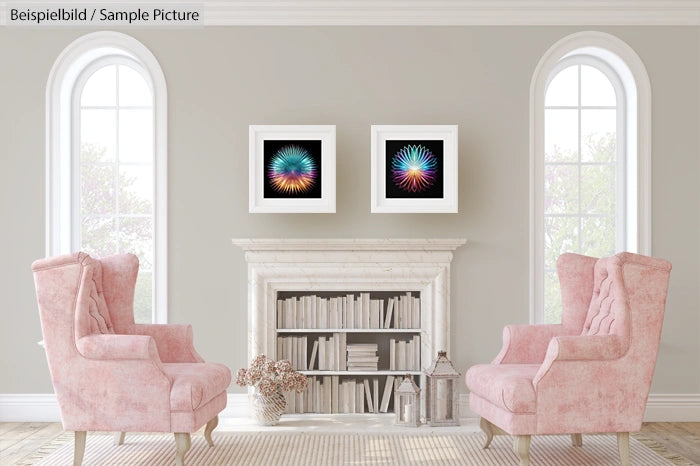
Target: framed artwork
x=414, y=168
x=292, y=168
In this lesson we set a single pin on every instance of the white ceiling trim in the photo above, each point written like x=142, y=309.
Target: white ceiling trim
x=429, y=12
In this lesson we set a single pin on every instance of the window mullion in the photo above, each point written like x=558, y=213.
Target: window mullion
x=117, y=222
x=580, y=212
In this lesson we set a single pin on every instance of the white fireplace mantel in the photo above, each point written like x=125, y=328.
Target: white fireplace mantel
x=349, y=265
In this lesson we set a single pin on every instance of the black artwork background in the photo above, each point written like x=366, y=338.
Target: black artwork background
x=433, y=192
x=270, y=148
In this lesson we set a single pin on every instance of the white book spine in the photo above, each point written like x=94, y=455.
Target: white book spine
x=416, y=353
x=388, y=388
x=365, y=310
x=389, y=313
x=351, y=394
x=314, y=311
x=336, y=351
x=392, y=354
x=381, y=313
x=351, y=310
x=409, y=313
x=368, y=396
x=344, y=352
x=374, y=313
x=314, y=351
x=361, y=394
x=416, y=313
x=344, y=314
x=322, y=348
x=375, y=394
x=327, y=389
x=401, y=364
x=334, y=394
x=304, y=353
x=280, y=314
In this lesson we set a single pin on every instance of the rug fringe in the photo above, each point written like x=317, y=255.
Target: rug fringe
x=661, y=450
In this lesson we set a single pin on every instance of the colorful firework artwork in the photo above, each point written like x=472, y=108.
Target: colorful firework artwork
x=292, y=169
x=414, y=169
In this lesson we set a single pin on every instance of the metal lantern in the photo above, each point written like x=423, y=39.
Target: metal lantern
x=442, y=392
x=407, y=403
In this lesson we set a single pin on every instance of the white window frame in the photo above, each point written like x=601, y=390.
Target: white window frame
x=619, y=60
x=61, y=142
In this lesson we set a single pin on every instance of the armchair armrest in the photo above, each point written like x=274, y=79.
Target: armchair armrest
x=526, y=344
x=118, y=347
x=583, y=349
x=175, y=342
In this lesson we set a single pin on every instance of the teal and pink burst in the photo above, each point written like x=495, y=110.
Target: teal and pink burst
x=292, y=170
x=414, y=168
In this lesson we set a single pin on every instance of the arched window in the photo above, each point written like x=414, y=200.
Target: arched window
x=590, y=103
x=106, y=159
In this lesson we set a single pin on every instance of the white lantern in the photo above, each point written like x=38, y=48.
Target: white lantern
x=442, y=395
x=407, y=403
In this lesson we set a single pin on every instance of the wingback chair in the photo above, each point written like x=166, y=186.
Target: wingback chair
x=592, y=372
x=110, y=374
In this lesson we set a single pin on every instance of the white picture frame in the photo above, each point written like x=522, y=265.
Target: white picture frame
x=385, y=138
x=316, y=138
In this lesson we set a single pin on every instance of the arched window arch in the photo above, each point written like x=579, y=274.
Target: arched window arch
x=106, y=102
x=590, y=110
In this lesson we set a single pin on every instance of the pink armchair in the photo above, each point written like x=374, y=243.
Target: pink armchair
x=592, y=372
x=110, y=374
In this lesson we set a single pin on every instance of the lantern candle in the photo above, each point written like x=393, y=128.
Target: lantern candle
x=408, y=413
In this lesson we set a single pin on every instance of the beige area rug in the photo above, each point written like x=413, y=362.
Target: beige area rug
x=307, y=449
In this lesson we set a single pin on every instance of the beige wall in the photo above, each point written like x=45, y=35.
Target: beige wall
x=220, y=80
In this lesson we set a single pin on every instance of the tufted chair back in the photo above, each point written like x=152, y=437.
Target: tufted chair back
x=91, y=312
x=608, y=312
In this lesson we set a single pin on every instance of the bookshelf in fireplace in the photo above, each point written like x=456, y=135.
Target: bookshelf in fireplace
x=354, y=347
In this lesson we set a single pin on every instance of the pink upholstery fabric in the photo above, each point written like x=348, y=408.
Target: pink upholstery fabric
x=595, y=372
x=195, y=384
x=107, y=372
x=508, y=386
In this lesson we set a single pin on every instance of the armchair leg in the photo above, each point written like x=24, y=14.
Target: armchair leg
x=623, y=446
x=521, y=445
x=486, y=428
x=211, y=425
x=119, y=438
x=577, y=440
x=79, y=448
x=182, y=443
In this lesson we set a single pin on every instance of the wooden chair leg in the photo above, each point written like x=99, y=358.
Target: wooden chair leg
x=182, y=444
x=486, y=428
x=577, y=440
x=623, y=446
x=119, y=438
x=521, y=445
x=79, y=448
x=211, y=425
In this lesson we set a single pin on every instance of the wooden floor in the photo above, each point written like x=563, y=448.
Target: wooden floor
x=18, y=440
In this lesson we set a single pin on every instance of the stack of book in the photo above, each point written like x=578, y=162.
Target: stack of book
x=362, y=357
x=350, y=311
x=331, y=395
x=404, y=355
x=293, y=348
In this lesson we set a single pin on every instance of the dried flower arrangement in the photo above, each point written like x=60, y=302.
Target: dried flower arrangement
x=269, y=376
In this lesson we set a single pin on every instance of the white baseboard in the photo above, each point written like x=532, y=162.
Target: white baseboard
x=42, y=407
x=33, y=407
x=673, y=408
